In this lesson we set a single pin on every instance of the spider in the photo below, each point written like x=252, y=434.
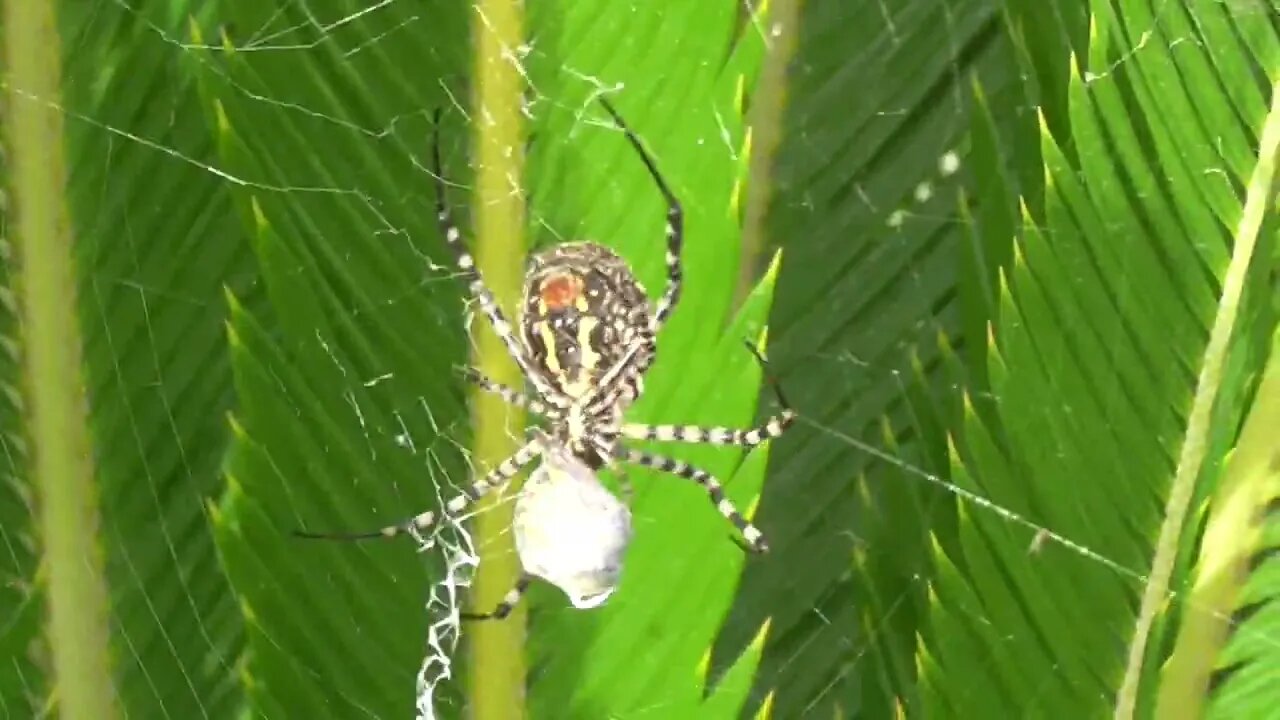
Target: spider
x=586, y=334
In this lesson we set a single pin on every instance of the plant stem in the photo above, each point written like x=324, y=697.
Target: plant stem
x=1234, y=537
x=497, y=667
x=1199, y=422
x=62, y=469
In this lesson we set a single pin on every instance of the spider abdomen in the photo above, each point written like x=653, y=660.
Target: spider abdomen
x=583, y=313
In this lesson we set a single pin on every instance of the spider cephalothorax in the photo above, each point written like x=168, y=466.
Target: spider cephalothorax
x=585, y=338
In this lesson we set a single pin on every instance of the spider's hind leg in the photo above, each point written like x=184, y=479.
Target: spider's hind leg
x=509, y=602
x=424, y=521
x=754, y=539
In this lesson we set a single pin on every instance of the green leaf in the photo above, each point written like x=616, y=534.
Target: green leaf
x=351, y=415
x=877, y=106
x=1123, y=358
x=154, y=244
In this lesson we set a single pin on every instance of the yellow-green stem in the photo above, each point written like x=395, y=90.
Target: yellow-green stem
x=1233, y=538
x=1196, y=440
x=497, y=667
x=61, y=468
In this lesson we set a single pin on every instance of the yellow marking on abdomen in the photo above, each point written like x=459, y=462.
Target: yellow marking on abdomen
x=587, y=355
x=549, y=342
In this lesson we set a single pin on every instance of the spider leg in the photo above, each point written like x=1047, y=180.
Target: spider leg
x=773, y=427
x=755, y=541
x=674, y=228
x=507, y=393
x=423, y=521
x=509, y=602
x=622, y=379
x=476, y=285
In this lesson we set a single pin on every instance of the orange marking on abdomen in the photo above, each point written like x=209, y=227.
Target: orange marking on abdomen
x=560, y=291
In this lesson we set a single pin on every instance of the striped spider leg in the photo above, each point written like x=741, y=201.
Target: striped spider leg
x=773, y=427
x=422, y=522
x=477, y=287
x=674, y=225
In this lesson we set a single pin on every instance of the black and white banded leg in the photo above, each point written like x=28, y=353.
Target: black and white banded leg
x=610, y=388
x=775, y=426
x=509, y=602
x=508, y=394
x=422, y=522
x=674, y=226
x=475, y=284
x=771, y=428
x=754, y=539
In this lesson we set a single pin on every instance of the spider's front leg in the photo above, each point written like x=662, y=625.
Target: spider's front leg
x=674, y=229
x=755, y=541
x=475, y=284
x=496, y=478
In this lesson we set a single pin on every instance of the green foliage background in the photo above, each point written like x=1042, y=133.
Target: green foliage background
x=1004, y=375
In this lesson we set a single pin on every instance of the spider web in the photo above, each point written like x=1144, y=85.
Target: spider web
x=387, y=449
